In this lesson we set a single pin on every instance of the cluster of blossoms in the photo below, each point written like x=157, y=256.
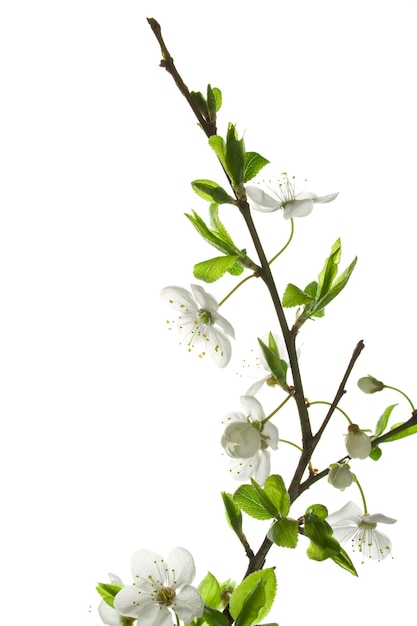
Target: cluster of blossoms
x=161, y=589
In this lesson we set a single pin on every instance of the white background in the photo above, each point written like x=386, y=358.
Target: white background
x=110, y=430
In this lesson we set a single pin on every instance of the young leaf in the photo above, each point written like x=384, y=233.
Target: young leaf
x=265, y=499
x=218, y=226
x=217, y=143
x=233, y=513
x=213, y=238
x=209, y=589
x=284, y=532
x=338, y=285
x=254, y=162
x=213, y=617
x=383, y=420
x=211, y=191
x=411, y=430
x=329, y=271
x=235, y=156
x=252, y=600
x=246, y=497
x=277, y=366
x=275, y=490
x=213, y=269
x=201, y=103
x=294, y=296
x=108, y=592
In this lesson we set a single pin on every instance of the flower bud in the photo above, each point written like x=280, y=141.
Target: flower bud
x=369, y=384
x=241, y=440
x=358, y=444
x=340, y=476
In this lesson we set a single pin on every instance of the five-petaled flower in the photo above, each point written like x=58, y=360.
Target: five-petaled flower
x=281, y=194
x=161, y=586
x=200, y=322
x=350, y=524
x=246, y=440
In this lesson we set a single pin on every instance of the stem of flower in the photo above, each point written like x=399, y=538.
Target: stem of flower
x=266, y=419
x=365, y=508
x=237, y=287
x=330, y=404
x=402, y=393
x=286, y=245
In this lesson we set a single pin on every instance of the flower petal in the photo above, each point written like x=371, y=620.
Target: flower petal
x=271, y=431
x=204, y=299
x=109, y=615
x=350, y=513
x=223, y=323
x=298, y=208
x=329, y=198
x=179, y=298
x=263, y=466
x=378, y=517
x=181, y=564
x=260, y=200
x=253, y=408
x=218, y=346
x=188, y=604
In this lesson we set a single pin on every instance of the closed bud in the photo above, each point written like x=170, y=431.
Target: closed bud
x=340, y=476
x=358, y=444
x=369, y=384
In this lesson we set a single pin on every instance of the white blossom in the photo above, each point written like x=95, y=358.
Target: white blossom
x=281, y=194
x=246, y=440
x=109, y=615
x=358, y=444
x=349, y=524
x=160, y=589
x=340, y=476
x=200, y=323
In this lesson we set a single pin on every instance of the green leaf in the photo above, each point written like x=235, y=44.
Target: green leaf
x=211, y=191
x=213, y=269
x=201, y=103
x=218, y=226
x=411, y=430
x=337, y=287
x=108, y=592
x=218, y=145
x=275, y=490
x=217, y=98
x=235, y=156
x=209, y=589
x=265, y=499
x=213, y=617
x=254, y=162
x=294, y=296
x=236, y=269
x=233, y=513
x=213, y=103
x=277, y=366
x=376, y=453
x=284, y=532
x=213, y=238
x=252, y=600
x=247, y=498
x=383, y=420
x=329, y=271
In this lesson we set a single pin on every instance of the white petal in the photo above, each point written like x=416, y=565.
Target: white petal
x=329, y=198
x=271, y=431
x=182, y=564
x=218, y=346
x=145, y=563
x=115, y=579
x=241, y=440
x=350, y=513
x=263, y=467
x=188, y=604
x=204, y=299
x=253, y=408
x=243, y=469
x=179, y=298
x=109, y=615
x=223, y=323
x=378, y=517
x=257, y=385
x=260, y=200
x=298, y=208
x=126, y=601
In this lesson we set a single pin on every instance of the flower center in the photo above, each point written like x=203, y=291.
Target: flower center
x=165, y=596
x=205, y=317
